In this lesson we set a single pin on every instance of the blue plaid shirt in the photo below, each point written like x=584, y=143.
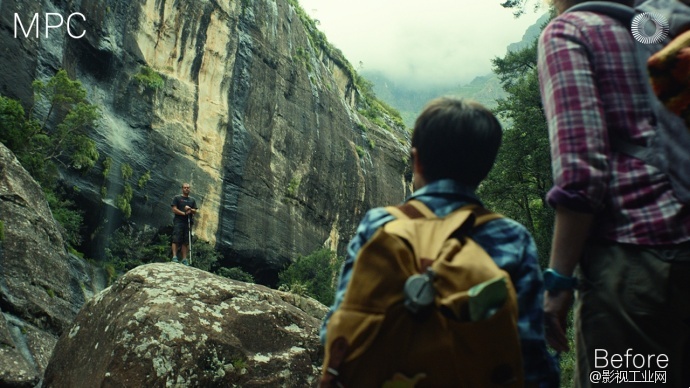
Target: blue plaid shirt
x=508, y=243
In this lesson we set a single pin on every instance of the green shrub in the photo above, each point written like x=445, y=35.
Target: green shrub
x=313, y=275
x=144, y=179
x=111, y=272
x=68, y=217
x=127, y=248
x=292, y=187
x=239, y=364
x=107, y=163
x=235, y=273
x=149, y=78
x=126, y=170
x=123, y=201
x=360, y=151
x=204, y=255
x=2, y=230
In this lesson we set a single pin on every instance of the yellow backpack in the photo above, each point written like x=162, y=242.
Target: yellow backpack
x=426, y=307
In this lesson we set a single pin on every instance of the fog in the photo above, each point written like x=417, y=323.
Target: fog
x=434, y=42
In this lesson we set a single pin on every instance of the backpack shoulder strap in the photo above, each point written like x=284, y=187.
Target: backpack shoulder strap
x=410, y=210
x=620, y=12
x=483, y=215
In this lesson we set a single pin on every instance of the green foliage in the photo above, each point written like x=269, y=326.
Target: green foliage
x=50, y=293
x=521, y=177
x=360, y=151
x=38, y=147
x=123, y=200
x=107, y=164
x=75, y=252
x=128, y=248
x=372, y=144
x=66, y=214
x=292, y=187
x=302, y=56
x=313, y=275
x=235, y=273
x=12, y=125
x=318, y=41
x=515, y=65
x=144, y=179
x=111, y=272
x=126, y=170
x=104, y=191
x=239, y=364
x=519, y=6
x=2, y=231
x=149, y=78
x=204, y=255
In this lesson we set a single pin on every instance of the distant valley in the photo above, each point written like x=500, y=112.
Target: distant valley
x=485, y=89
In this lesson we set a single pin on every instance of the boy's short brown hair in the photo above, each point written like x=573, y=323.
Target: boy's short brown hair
x=456, y=139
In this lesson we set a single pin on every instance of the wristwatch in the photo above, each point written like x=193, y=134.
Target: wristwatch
x=555, y=282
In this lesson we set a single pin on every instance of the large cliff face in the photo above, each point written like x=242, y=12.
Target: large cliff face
x=252, y=112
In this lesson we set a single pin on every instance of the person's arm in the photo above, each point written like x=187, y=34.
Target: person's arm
x=175, y=210
x=579, y=152
x=191, y=209
x=570, y=234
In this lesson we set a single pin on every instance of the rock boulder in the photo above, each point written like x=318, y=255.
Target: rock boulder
x=169, y=325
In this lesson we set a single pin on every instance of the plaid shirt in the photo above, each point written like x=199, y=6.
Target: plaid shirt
x=592, y=90
x=507, y=242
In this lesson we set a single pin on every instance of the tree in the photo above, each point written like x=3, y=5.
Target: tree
x=521, y=177
x=518, y=6
x=40, y=146
x=59, y=136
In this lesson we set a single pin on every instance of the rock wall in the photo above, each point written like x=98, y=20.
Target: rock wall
x=252, y=112
x=41, y=286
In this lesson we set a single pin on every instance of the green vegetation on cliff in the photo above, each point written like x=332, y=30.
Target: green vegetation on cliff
x=40, y=147
x=367, y=103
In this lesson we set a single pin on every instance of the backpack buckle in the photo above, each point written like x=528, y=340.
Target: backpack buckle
x=419, y=291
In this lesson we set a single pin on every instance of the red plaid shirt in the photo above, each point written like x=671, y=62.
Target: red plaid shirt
x=592, y=89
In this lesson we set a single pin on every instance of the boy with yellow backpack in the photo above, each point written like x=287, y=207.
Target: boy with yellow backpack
x=440, y=292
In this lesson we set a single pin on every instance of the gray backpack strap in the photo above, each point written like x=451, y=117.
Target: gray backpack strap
x=620, y=12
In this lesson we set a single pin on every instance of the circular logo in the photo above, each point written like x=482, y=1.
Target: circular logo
x=642, y=21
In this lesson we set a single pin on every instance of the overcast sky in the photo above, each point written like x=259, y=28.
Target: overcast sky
x=433, y=41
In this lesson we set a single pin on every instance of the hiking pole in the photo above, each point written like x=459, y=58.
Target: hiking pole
x=189, y=229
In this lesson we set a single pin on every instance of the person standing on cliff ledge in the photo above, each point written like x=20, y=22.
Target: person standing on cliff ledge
x=183, y=207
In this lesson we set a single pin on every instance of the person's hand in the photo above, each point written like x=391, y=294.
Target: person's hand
x=187, y=210
x=556, y=308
